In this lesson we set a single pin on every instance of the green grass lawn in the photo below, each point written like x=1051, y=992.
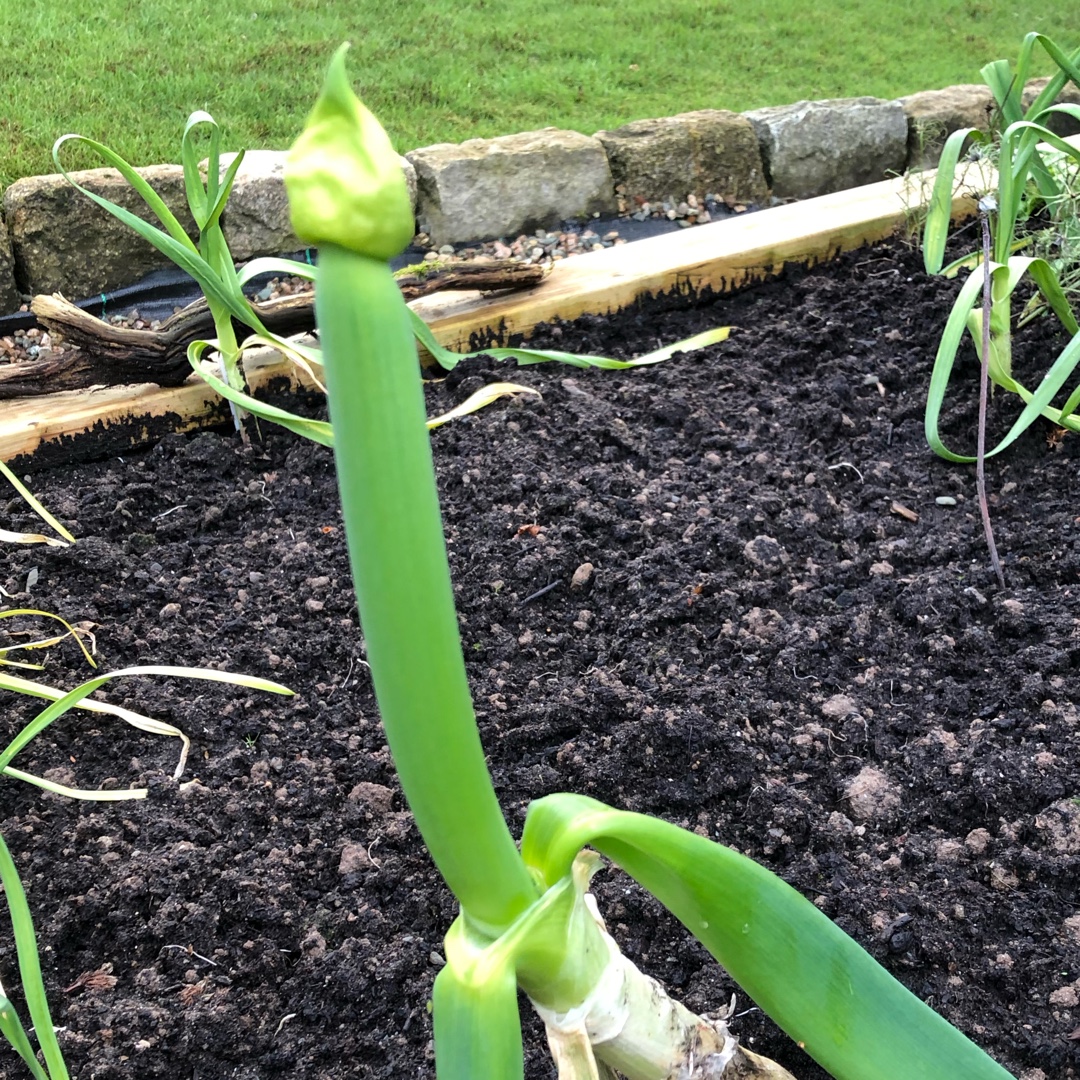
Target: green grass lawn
x=129, y=74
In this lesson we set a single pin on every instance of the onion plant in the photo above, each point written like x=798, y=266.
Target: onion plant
x=51, y=1065
x=526, y=917
x=1037, y=198
x=209, y=261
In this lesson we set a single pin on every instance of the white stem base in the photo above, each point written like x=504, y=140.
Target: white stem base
x=630, y=1024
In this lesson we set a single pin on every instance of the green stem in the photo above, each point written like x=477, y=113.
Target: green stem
x=402, y=579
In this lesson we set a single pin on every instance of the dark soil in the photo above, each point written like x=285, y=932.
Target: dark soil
x=785, y=643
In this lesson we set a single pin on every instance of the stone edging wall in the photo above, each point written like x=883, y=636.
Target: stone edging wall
x=56, y=240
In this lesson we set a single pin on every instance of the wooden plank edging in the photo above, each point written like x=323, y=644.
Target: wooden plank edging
x=720, y=255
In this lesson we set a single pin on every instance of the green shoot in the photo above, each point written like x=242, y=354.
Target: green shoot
x=1036, y=182
x=527, y=920
x=209, y=262
x=33, y=984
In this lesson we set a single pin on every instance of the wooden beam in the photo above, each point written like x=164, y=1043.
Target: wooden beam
x=720, y=255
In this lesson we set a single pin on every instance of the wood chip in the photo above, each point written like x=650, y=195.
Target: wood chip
x=903, y=511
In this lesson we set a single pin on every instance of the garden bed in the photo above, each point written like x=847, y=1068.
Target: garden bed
x=720, y=590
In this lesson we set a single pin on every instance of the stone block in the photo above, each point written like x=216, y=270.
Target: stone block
x=63, y=242
x=815, y=147
x=1059, y=123
x=256, y=217
x=488, y=188
x=708, y=151
x=9, y=293
x=933, y=115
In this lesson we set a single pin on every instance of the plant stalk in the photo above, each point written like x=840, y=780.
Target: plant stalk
x=386, y=478
x=984, y=388
x=632, y=1025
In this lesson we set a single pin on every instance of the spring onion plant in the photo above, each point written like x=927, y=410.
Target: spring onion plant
x=51, y=1065
x=210, y=263
x=527, y=919
x=1037, y=198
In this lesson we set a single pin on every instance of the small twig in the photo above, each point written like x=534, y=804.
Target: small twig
x=191, y=952
x=985, y=206
x=540, y=592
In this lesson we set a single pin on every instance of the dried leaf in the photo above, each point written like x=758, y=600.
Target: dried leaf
x=484, y=396
x=101, y=979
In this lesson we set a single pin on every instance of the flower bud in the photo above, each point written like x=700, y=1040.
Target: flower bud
x=344, y=179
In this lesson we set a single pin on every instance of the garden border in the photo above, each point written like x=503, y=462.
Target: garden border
x=717, y=256
x=53, y=239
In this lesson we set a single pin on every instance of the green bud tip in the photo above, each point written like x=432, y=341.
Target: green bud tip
x=343, y=178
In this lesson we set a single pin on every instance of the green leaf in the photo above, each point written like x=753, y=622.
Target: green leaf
x=1037, y=403
x=939, y=209
x=174, y=243
x=33, y=985
x=448, y=360
x=821, y=987
x=275, y=266
x=475, y=1013
x=318, y=431
x=12, y=1030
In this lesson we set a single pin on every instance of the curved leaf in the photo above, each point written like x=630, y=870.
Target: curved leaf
x=318, y=431
x=478, y=399
x=1037, y=402
x=448, y=359
x=939, y=209
x=271, y=265
x=820, y=986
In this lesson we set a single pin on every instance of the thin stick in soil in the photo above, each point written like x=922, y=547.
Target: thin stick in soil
x=984, y=379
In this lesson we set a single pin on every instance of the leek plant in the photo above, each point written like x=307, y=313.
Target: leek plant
x=1037, y=175
x=51, y=1065
x=526, y=917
